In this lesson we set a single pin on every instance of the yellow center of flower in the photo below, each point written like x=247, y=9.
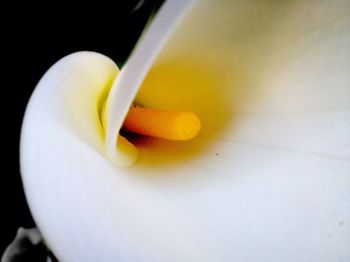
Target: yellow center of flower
x=166, y=124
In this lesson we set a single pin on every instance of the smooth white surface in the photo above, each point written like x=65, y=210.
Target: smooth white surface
x=268, y=179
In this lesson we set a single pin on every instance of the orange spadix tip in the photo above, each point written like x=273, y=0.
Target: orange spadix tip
x=166, y=124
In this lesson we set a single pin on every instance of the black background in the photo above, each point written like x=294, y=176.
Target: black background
x=33, y=38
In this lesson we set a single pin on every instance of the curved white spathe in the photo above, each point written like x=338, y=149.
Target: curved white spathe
x=126, y=86
x=267, y=179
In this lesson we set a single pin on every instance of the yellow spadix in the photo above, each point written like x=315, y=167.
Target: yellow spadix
x=166, y=124
x=266, y=178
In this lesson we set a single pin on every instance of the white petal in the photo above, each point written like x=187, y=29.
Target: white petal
x=126, y=86
x=267, y=179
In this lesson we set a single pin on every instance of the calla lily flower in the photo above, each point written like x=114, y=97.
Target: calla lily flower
x=267, y=178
